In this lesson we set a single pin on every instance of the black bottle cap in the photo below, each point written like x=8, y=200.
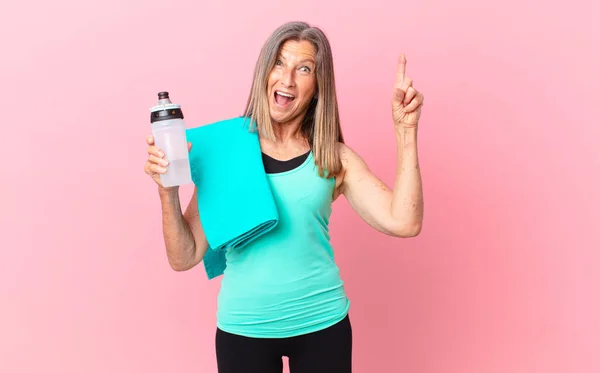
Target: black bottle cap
x=170, y=113
x=165, y=109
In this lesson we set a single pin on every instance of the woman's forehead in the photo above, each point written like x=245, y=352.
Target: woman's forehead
x=299, y=50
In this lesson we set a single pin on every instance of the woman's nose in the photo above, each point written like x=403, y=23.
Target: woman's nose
x=287, y=77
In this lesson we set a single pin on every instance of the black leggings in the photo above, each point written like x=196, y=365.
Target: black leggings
x=328, y=350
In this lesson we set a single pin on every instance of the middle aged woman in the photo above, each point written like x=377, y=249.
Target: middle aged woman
x=282, y=295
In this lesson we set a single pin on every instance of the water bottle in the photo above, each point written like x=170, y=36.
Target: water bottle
x=168, y=129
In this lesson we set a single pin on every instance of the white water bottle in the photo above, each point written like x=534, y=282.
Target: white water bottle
x=168, y=129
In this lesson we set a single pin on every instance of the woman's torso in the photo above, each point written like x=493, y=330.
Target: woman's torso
x=286, y=282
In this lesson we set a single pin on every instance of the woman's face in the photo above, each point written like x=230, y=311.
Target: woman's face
x=292, y=82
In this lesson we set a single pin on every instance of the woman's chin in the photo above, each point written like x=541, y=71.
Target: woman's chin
x=283, y=115
x=280, y=116
x=278, y=119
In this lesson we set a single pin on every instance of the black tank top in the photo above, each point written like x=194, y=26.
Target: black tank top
x=273, y=166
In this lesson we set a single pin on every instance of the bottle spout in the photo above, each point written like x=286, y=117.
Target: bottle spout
x=163, y=98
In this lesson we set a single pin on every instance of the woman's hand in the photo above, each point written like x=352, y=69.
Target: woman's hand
x=407, y=101
x=156, y=164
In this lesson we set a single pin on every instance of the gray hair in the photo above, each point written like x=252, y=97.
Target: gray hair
x=321, y=124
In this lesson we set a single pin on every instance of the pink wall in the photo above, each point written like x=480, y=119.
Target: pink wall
x=503, y=278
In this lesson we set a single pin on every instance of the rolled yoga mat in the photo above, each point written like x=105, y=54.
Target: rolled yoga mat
x=234, y=197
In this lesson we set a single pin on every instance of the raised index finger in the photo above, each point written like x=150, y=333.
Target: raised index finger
x=400, y=71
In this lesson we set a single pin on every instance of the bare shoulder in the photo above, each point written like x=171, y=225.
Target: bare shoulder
x=351, y=162
x=349, y=157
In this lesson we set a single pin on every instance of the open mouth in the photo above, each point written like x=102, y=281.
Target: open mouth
x=282, y=98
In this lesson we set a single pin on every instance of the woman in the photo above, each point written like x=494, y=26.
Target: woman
x=293, y=304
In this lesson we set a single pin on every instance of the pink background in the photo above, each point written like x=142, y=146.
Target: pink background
x=503, y=278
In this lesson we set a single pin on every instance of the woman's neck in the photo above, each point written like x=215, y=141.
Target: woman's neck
x=289, y=142
x=288, y=132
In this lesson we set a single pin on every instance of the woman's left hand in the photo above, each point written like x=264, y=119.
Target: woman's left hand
x=407, y=101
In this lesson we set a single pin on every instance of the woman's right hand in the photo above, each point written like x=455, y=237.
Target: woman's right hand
x=156, y=164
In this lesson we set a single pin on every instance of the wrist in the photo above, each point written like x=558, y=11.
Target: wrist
x=167, y=192
x=406, y=135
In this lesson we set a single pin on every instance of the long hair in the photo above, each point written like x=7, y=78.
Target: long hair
x=321, y=124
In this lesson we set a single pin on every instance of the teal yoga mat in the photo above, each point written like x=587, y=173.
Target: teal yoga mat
x=234, y=197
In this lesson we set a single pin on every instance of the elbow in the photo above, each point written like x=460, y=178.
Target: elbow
x=406, y=230
x=181, y=259
x=177, y=267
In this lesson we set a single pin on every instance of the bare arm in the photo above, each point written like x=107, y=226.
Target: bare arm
x=397, y=212
x=184, y=237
